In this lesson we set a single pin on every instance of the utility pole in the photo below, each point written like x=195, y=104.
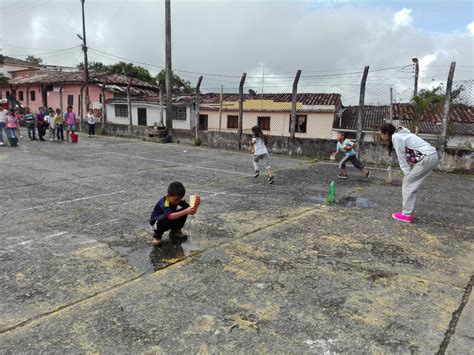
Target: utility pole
x=169, y=77
x=220, y=108
x=293, y=112
x=417, y=70
x=391, y=105
x=104, y=113
x=447, y=104
x=198, y=87
x=129, y=103
x=86, y=63
x=161, y=123
x=241, y=110
x=360, y=112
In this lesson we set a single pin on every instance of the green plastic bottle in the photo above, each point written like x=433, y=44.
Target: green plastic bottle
x=332, y=192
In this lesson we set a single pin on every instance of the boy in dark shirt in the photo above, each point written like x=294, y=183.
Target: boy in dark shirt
x=170, y=213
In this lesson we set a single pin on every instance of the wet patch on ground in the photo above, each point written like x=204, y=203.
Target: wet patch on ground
x=346, y=201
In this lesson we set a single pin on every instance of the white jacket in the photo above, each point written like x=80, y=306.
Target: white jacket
x=405, y=144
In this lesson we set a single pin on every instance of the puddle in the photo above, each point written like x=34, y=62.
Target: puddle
x=347, y=201
x=145, y=256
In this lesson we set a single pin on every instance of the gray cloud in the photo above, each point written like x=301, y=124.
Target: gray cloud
x=229, y=37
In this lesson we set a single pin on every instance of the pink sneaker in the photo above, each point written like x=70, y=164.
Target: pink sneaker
x=399, y=216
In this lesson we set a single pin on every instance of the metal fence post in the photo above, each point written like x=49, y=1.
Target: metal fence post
x=293, y=112
x=447, y=105
x=241, y=110
x=360, y=111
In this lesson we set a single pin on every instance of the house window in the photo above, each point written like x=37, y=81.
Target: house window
x=70, y=100
x=203, y=122
x=100, y=98
x=121, y=111
x=1, y=95
x=232, y=121
x=264, y=122
x=20, y=95
x=32, y=95
x=179, y=113
x=300, y=124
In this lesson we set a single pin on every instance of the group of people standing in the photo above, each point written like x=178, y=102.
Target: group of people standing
x=46, y=120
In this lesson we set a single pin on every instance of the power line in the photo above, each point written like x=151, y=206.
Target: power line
x=113, y=17
x=39, y=49
x=46, y=53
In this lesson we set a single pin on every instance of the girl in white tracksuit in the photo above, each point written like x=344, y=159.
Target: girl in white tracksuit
x=411, y=151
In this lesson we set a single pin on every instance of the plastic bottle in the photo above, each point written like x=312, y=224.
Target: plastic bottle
x=332, y=192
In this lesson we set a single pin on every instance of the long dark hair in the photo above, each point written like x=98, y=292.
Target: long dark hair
x=259, y=133
x=390, y=129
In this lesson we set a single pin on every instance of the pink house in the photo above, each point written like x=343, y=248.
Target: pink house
x=57, y=89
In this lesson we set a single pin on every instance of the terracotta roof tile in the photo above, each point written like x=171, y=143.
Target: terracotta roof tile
x=304, y=98
x=461, y=118
x=58, y=77
x=19, y=62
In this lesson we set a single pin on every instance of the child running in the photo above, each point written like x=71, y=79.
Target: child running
x=346, y=146
x=170, y=213
x=411, y=150
x=260, y=153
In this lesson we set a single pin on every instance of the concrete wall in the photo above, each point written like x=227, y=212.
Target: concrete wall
x=371, y=152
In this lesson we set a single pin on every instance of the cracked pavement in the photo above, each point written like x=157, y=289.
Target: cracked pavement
x=275, y=269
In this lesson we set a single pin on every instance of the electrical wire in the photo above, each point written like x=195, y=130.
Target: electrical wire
x=46, y=53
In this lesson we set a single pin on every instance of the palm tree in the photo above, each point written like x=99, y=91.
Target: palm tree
x=426, y=103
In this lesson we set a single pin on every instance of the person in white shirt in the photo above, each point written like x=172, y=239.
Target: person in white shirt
x=91, y=122
x=260, y=153
x=52, y=125
x=412, y=151
x=3, y=112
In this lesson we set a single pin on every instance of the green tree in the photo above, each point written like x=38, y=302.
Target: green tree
x=430, y=102
x=129, y=69
x=98, y=67
x=180, y=86
x=33, y=59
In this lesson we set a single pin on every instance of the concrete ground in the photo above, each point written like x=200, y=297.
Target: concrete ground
x=272, y=270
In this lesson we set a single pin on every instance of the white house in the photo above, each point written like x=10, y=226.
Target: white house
x=147, y=111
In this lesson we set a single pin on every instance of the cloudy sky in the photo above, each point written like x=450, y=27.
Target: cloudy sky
x=329, y=40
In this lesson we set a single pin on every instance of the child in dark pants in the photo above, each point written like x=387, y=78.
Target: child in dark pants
x=345, y=146
x=170, y=213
